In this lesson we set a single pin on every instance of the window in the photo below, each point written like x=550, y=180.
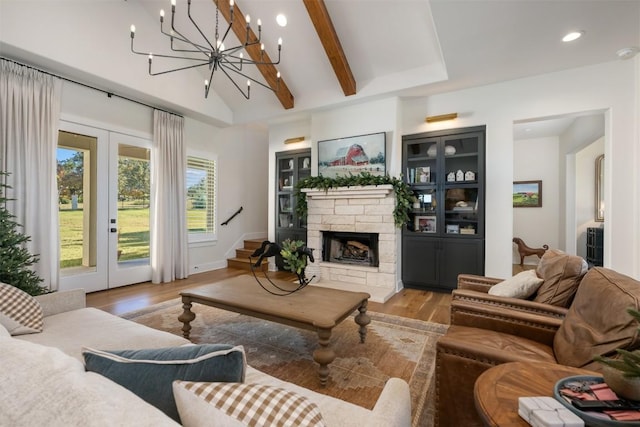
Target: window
x=201, y=198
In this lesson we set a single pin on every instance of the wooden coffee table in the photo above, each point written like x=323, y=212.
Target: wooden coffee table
x=497, y=390
x=314, y=308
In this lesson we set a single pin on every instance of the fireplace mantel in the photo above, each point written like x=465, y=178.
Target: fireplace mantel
x=356, y=192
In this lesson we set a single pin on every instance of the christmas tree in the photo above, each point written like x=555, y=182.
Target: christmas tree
x=15, y=259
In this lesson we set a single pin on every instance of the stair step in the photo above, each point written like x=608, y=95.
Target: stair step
x=243, y=264
x=244, y=253
x=253, y=244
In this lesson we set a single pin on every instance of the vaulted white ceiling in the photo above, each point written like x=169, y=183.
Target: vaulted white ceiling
x=394, y=47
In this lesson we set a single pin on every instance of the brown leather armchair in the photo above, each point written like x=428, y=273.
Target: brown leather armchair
x=487, y=330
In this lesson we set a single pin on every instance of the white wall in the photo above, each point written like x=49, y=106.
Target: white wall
x=242, y=165
x=533, y=160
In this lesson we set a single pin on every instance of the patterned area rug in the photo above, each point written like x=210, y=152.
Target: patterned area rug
x=395, y=347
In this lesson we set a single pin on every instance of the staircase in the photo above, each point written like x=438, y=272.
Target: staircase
x=241, y=260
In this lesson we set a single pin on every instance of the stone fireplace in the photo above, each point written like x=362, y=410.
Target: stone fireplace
x=355, y=240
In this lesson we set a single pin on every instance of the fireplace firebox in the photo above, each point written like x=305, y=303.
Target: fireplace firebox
x=350, y=248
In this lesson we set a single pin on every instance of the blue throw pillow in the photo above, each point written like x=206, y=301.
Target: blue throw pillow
x=150, y=373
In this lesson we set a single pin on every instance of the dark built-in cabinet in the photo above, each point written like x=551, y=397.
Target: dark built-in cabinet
x=445, y=232
x=595, y=238
x=291, y=167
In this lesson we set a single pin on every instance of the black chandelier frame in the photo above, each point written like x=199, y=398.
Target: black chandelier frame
x=214, y=55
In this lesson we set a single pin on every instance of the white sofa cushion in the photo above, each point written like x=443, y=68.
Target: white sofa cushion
x=522, y=285
x=238, y=405
x=90, y=327
x=20, y=313
x=41, y=386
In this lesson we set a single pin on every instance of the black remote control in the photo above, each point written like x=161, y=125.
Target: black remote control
x=604, y=405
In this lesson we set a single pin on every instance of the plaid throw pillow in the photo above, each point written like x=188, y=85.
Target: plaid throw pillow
x=240, y=404
x=20, y=313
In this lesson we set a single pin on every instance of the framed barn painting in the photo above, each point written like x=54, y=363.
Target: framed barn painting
x=352, y=155
x=527, y=194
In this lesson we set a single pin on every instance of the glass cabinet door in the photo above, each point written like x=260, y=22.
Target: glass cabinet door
x=461, y=196
x=291, y=167
x=285, y=174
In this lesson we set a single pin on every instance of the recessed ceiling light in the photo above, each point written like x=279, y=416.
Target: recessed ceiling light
x=627, y=52
x=281, y=20
x=574, y=35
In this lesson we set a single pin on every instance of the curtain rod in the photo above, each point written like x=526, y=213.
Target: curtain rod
x=109, y=94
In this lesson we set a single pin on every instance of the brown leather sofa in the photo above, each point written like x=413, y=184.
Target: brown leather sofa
x=488, y=330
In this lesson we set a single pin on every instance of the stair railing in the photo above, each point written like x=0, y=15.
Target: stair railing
x=232, y=216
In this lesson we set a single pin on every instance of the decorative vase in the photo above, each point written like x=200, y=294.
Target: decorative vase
x=625, y=387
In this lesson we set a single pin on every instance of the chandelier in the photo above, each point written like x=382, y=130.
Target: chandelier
x=212, y=54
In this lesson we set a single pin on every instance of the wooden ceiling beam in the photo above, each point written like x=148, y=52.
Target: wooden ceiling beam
x=326, y=32
x=269, y=72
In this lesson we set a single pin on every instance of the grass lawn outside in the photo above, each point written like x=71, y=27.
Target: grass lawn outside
x=133, y=238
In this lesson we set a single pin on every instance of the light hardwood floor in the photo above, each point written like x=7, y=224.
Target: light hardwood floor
x=412, y=303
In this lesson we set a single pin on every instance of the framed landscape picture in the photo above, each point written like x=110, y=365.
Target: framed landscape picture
x=527, y=194
x=352, y=155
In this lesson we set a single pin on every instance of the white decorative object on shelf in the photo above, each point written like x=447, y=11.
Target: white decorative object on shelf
x=459, y=175
x=432, y=151
x=470, y=176
x=449, y=150
x=451, y=177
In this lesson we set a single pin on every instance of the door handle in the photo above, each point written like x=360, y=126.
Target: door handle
x=113, y=230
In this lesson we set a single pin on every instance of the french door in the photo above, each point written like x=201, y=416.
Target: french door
x=104, y=208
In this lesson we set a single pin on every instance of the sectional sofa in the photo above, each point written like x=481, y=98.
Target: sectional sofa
x=45, y=381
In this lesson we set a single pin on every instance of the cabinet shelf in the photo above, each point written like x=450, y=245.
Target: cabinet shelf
x=454, y=156
x=439, y=241
x=461, y=183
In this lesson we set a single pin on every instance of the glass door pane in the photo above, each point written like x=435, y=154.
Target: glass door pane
x=82, y=200
x=77, y=204
x=134, y=193
x=129, y=209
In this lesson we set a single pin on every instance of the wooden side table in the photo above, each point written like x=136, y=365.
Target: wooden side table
x=497, y=390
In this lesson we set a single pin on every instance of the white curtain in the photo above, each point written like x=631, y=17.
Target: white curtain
x=29, y=118
x=169, y=256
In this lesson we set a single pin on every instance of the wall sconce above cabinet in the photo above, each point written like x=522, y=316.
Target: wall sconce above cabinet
x=292, y=140
x=441, y=118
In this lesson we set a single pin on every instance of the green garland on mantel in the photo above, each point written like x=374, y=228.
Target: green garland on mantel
x=404, y=194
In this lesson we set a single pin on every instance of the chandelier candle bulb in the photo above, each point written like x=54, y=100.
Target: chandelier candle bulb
x=133, y=31
x=161, y=16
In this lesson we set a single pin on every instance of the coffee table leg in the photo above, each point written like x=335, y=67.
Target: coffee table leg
x=363, y=320
x=323, y=355
x=186, y=317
